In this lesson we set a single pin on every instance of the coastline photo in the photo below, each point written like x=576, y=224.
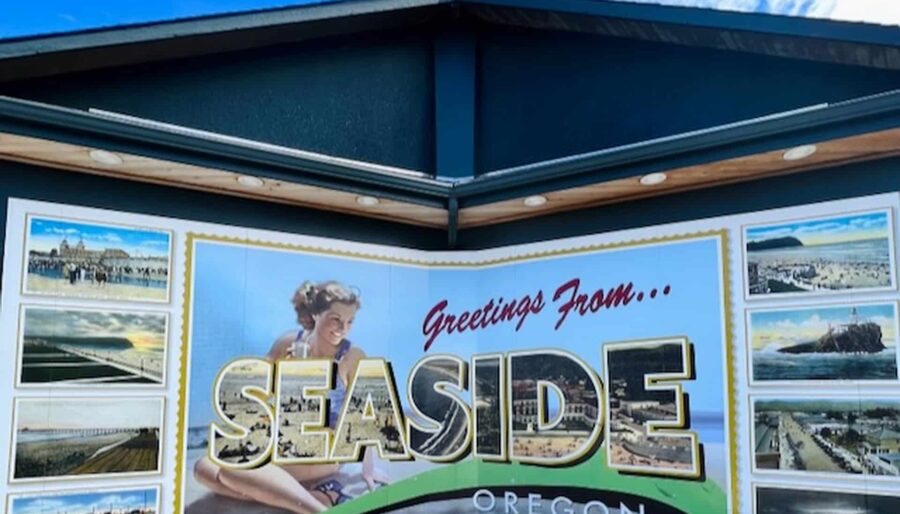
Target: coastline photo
x=61, y=438
x=851, y=252
x=811, y=436
x=778, y=500
x=849, y=342
x=144, y=500
x=90, y=260
x=87, y=347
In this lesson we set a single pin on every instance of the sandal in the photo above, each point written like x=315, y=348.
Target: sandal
x=334, y=491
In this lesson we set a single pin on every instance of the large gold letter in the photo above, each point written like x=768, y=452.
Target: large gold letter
x=444, y=435
x=647, y=415
x=241, y=395
x=564, y=432
x=489, y=406
x=301, y=387
x=370, y=415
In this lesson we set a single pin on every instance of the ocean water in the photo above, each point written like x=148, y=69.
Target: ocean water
x=869, y=251
x=770, y=365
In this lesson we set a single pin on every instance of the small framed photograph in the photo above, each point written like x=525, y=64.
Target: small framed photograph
x=80, y=259
x=846, y=253
x=837, y=344
x=779, y=499
x=141, y=499
x=838, y=436
x=61, y=438
x=78, y=347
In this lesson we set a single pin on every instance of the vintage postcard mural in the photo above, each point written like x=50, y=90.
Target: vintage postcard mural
x=401, y=380
x=737, y=365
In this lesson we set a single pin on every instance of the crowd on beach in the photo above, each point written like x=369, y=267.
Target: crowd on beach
x=94, y=272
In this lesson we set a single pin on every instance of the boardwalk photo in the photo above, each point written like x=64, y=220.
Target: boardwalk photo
x=822, y=255
x=86, y=347
x=88, y=260
x=96, y=501
x=75, y=437
x=852, y=436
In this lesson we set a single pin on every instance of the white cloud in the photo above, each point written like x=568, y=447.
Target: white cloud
x=884, y=12
x=64, y=231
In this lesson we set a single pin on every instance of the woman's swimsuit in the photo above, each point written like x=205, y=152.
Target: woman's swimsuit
x=332, y=489
x=337, y=395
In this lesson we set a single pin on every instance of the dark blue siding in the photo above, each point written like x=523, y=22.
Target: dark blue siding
x=544, y=94
x=366, y=97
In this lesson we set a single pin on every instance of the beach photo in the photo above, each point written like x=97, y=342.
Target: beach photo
x=143, y=500
x=72, y=258
x=67, y=438
x=811, y=436
x=847, y=342
x=853, y=252
x=89, y=347
x=782, y=500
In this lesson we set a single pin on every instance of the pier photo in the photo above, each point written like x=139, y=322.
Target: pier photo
x=87, y=347
x=843, y=253
x=850, y=342
x=88, y=260
x=76, y=437
x=852, y=436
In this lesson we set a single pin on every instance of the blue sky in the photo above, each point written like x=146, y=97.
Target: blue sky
x=49, y=16
x=827, y=230
x=86, y=502
x=46, y=234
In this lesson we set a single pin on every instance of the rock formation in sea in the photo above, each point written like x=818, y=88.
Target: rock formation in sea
x=852, y=338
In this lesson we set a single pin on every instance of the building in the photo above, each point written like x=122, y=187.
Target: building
x=461, y=125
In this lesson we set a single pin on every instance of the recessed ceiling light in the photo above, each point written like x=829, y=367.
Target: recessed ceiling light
x=653, y=179
x=799, y=152
x=535, y=201
x=104, y=157
x=250, y=181
x=367, y=201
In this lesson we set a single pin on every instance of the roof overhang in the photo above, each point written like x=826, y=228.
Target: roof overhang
x=863, y=129
x=783, y=36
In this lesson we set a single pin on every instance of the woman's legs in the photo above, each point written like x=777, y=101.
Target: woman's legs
x=269, y=484
x=207, y=474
